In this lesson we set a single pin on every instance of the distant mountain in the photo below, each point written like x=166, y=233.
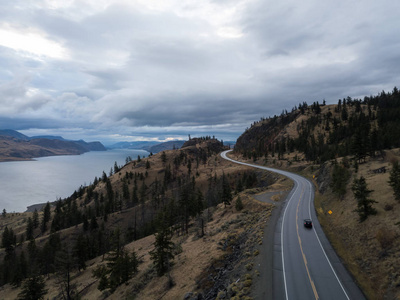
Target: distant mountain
x=14, y=134
x=229, y=143
x=149, y=146
x=166, y=146
x=17, y=146
x=50, y=137
x=91, y=146
x=142, y=145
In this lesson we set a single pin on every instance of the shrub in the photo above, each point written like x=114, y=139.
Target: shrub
x=239, y=204
x=385, y=237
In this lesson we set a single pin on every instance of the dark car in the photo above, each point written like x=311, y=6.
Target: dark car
x=308, y=223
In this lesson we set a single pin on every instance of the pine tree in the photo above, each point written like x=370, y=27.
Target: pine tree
x=64, y=263
x=29, y=229
x=80, y=252
x=46, y=217
x=163, y=157
x=125, y=191
x=116, y=168
x=364, y=204
x=21, y=270
x=35, y=219
x=226, y=196
x=162, y=254
x=121, y=266
x=9, y=240
x=344, y=114
x=394, y=179
x=34, y=288
x=239, y=204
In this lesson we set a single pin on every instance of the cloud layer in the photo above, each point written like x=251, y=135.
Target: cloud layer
x=112, y=70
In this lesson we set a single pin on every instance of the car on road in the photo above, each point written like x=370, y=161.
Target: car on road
x=308, y=223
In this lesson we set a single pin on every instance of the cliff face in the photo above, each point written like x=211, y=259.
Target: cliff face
x=16, y=146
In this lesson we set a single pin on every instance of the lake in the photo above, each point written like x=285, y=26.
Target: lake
x=25, y=183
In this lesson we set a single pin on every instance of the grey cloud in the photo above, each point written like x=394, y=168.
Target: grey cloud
x=160, y=73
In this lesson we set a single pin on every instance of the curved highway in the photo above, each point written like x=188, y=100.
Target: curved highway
x=305, y=265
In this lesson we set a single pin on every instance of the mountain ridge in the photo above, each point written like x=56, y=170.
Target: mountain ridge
x=17, y=146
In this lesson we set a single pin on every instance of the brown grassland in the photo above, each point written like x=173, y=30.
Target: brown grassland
x=224, y=255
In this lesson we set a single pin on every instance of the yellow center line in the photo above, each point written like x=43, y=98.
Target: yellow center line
x=301, y=248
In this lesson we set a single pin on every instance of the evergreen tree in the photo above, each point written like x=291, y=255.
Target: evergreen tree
x=121, y=266
x=135, y=198
x=116, y=168
x=364, y=204
x=64, y=263
x=162, y=254
x=125, y=191
x=21, y=270
x=226, y=196
x=163, y=157
x=9, y=240
x=29, y=229
x=32, y=255
x=344, y=114
x=394, y=179
x=35, y=219
x=80, y=252
x=93, y=223
x=239, y=204
x=34, y=288
x=46, y=217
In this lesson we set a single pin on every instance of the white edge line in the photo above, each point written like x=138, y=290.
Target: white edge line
x=283, y=257
x=323, y=250
x=223, y=155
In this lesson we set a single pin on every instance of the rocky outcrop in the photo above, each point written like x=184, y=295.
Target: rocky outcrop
x=324, y=178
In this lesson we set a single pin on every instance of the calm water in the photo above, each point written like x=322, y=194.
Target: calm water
x=25, y=183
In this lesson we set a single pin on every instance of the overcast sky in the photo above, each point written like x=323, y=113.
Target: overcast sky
x=163, y=69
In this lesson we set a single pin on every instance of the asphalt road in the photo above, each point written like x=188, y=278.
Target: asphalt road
x=304, y=264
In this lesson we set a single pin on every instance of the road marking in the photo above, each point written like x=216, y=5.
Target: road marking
x=323, y=250
x=301, y=248
x=282, y=252
x=293, y=177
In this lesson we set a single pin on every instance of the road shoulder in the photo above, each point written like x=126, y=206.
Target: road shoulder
x=263, y=287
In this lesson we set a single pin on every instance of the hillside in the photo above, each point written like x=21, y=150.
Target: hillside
x=320, y=132
x=16, y=146
x=185, y=192
x=337, y=145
